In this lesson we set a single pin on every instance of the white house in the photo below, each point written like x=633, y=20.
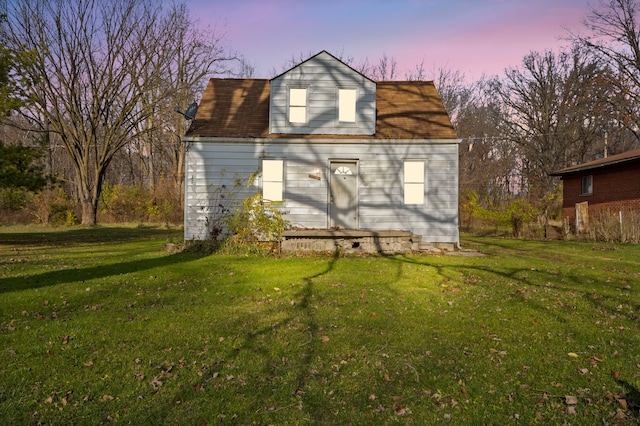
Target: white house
x=330, y=147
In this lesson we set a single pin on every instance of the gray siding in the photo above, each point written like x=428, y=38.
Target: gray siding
x=323, y=75
x=380, y=189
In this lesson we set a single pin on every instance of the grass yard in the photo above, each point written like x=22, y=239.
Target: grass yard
x=101, y=325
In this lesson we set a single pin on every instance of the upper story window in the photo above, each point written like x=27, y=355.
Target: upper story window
x=347, y=105
x=587, y=185
x=298, y=105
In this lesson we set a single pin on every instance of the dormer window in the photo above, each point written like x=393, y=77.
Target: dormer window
x=297, y=105
x=347, y=105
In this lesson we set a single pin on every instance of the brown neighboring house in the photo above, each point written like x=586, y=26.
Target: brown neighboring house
x=329, y=148
x=611, y=183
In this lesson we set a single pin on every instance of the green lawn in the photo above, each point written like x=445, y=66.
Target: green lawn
x=101, y=325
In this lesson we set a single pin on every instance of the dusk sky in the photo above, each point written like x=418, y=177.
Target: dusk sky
x=471, y=36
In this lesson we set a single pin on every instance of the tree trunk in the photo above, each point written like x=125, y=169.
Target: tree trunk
x=89, y=212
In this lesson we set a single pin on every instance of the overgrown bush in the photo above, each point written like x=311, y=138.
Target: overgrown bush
x=14, y=199
x=54, y=207
x=126, y=203
x=255, y=224
x=516, y=216
x=220, y=209
x=13, y=203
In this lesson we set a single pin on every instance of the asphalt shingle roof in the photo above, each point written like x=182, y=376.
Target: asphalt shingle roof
x=602, y=162
x=239, y=108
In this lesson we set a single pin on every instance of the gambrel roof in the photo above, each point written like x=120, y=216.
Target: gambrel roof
x=239, y=108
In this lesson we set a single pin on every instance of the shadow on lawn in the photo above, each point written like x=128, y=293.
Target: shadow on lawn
x=53, y=278
x=301, y=352
x=522, y=276
x=84, y=236
x=632, y=397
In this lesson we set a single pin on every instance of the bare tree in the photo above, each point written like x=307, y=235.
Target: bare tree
x=556, y=112
x=90, y=77
x=385, y=69
x=105, y=71
x=488, y=160
x=613, y=34
x=191, y=57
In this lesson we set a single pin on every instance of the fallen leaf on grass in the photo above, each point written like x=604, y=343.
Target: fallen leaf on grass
x=107, y=398
x=622, y=401
x=88, y=364
x=570, y=400
x=156, y=383
x=572, y=355
x=325, y=339
x=401, y=410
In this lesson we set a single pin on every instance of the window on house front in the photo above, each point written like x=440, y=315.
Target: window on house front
x=347, y=105
x=297, y=106
x=414, y=182
x=272, y=180
x=587, y=185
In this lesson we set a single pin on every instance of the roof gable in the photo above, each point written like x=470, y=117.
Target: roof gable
x=325, y=57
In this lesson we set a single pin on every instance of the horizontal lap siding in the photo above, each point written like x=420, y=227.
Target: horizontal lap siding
x=382, y=196
x=380, y=191
x=208, y=168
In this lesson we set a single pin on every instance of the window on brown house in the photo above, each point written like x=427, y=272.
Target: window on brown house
x=587, y=185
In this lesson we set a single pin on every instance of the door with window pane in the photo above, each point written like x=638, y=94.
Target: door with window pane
x=343, y=194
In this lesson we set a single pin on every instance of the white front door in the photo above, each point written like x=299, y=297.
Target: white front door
x=343, y=195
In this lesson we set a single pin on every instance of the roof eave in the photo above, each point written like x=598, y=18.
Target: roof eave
x=576, y=169
x=314, y=140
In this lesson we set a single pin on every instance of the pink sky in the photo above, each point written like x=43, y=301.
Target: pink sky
x=471, y=36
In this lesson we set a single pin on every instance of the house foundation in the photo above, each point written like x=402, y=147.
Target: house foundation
x=357, y=241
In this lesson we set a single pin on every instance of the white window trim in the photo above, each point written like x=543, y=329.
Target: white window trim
x=347, y=105
x=273, y=179
x=414, y=181
x=295, y=106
